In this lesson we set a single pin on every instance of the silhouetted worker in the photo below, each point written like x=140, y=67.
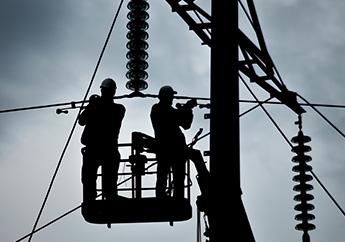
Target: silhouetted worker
x=172, y=150
x=102, y=119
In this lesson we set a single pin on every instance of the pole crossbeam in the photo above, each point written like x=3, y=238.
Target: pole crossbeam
x=254, y=57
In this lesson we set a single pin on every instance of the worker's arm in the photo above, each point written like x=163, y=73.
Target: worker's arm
x=82, y=120
x=185, y=113
x=89, y=109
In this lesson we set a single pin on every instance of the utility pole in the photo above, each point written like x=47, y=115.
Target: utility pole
x=227, y=218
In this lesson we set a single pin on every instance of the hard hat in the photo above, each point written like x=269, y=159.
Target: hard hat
x=108, y=83
x=166, y=90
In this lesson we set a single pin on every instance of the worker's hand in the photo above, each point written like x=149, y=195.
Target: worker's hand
x=191, y=103
x=94, y=101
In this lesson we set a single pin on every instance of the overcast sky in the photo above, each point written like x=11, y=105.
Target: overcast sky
x=48, y=53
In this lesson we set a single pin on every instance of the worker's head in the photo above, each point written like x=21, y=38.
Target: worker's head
x=166, y=94
x=108, y=88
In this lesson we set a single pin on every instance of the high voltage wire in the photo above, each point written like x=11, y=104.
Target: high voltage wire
x=73, y=104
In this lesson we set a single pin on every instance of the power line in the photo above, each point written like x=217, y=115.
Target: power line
x=302, y=104
x=329, y=195
x=49, y=223
x=75, y=122
x=37, y=107
x=73, y=104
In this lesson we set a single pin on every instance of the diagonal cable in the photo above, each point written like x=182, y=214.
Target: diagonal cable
x=75, y=122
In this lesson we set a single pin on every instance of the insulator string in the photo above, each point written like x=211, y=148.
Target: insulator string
x=137, y=45
x=302, y=178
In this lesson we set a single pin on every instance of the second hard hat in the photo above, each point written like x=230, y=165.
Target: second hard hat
x=166, y=90
x=108, y=83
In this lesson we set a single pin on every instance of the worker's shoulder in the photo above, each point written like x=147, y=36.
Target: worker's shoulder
x=119, y=107
x=154, y=106
x=158, y=108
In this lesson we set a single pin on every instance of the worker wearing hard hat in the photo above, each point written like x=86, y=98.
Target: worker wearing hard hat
x=102, y=119
x=171, y=144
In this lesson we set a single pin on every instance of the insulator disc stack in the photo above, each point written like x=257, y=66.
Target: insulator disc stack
x=303, y=187
x=137, y=45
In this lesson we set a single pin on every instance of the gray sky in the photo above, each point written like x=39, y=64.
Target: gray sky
x=48, y=52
